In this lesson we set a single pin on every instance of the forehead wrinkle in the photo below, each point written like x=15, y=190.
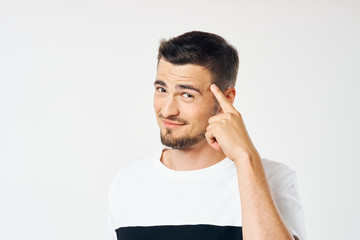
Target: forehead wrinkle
x=183, y=80
x=183, y=75
x=195, y=80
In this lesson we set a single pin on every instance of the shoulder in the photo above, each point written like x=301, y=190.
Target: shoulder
x=134, y=165
x=133, y=168
x=272, y=167
x=278, y=173
x=285, y=192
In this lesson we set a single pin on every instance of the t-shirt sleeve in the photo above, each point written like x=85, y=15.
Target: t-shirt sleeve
x=110, y=232
x=285, y=191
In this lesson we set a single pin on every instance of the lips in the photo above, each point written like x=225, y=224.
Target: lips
x=171, y=124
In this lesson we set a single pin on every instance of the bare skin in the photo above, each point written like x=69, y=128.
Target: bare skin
x=225, y=136
x=227, y=132
x=171, y=102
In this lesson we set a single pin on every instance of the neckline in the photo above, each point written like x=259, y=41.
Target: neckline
x=213, y=169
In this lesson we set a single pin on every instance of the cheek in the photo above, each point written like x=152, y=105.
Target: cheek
x=156, y=104
x=198, y=115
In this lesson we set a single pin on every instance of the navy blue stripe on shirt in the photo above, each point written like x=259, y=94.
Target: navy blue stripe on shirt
x=180, y=232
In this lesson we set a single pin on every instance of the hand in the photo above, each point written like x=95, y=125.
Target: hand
x=227, y=132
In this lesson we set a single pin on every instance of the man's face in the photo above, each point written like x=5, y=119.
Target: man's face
x=183, y=103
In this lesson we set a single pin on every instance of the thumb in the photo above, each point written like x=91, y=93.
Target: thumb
x=214, y=144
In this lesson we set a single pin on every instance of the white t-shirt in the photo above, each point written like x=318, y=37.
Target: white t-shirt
x=148, y=200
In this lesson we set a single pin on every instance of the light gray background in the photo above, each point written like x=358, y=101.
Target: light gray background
x=76, y=86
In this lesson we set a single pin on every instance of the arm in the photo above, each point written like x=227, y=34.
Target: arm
x=261, y=218
x=227, y=132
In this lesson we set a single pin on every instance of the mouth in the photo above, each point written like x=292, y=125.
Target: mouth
x=169, y=124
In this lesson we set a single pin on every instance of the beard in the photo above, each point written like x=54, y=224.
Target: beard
x=180, y=143
x=184, y=142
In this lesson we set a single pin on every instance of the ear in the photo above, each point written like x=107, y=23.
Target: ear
x=230, y=94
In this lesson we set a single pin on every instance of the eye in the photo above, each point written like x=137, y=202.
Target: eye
x=161, y=89
x=188, y=95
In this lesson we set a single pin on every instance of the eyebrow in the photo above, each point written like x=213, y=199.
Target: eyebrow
x=179, y=86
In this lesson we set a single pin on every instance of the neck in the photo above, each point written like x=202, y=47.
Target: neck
x=199, y=156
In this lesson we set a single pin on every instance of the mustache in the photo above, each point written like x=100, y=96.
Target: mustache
x=174, y=118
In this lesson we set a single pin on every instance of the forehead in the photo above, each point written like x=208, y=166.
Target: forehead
x=187, y=73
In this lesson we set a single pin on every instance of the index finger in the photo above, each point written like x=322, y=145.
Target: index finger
x=225, y=105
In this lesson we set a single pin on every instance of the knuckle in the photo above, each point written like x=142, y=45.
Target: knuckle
x=223, y=121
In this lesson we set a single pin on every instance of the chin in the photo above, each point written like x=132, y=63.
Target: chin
x=181, y=142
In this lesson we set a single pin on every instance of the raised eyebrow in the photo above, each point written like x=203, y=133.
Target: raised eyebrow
x=162, y=83
x=185, y=86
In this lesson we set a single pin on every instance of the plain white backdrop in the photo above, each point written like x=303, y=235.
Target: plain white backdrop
x=76, y=87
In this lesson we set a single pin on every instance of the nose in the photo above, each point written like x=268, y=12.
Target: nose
x=170, y=108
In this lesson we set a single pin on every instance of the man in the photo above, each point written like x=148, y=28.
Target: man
x=210, y=181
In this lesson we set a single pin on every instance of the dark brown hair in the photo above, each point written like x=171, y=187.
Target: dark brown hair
x=205, y=49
